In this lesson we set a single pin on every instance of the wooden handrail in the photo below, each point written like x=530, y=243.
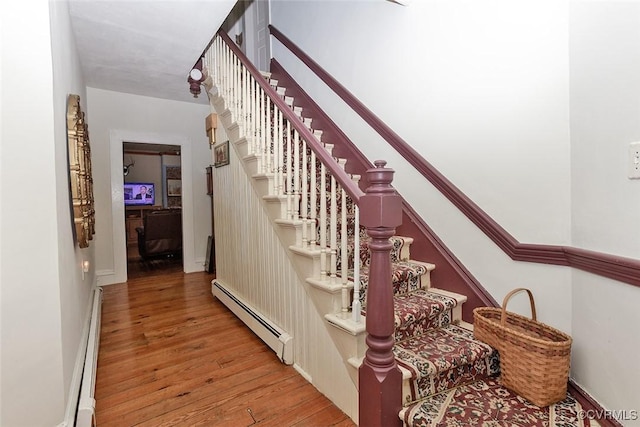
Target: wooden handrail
x=619, y=268
x=341, y=176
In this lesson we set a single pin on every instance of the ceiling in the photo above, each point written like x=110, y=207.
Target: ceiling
x=144, y=47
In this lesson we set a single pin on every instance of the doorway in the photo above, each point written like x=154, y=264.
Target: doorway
x=152, y=197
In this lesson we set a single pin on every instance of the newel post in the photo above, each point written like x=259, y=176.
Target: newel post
x=380, y=380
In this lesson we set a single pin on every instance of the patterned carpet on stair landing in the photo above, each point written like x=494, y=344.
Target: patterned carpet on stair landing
x=487, y=404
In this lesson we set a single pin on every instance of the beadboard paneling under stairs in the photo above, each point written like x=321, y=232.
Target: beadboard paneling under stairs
x=253, y=261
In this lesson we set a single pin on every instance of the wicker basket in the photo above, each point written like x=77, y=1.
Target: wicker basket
x=534, y=357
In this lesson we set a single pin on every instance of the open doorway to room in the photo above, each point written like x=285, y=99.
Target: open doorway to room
x=152, y=196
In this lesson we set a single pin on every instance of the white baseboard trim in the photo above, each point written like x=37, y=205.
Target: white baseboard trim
x=277, y=339
x=106, y=277
x=76, y=379
x=87, y=403
x=303, y=373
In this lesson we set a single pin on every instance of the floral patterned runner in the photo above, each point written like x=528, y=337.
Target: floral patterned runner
x=487, y=404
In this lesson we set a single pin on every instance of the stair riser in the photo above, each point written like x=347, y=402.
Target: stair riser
x=326, y=302
x=443, y=319
x=309, y=264
x=400, y=287
x=291, y=233
x=263, y=184
x=276, y=208
x=251, y=164
x=242, y=146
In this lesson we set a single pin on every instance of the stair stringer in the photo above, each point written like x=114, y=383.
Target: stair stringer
x=317, y=353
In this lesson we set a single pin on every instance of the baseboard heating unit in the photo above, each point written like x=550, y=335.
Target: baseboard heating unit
x=87, y=403
x=279, y=341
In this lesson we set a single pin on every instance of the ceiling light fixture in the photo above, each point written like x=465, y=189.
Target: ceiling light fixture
x=196, y=76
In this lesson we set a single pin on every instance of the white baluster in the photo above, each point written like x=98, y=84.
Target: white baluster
x=229, y=77
x=245, y=103
x=278, y=145
x=239, y=112
x=236, y=90
x=344, y=255
x=256, y=116
x=232, y=83
x=304, y=202
x=269, y=138
x=288, y=176
x=240, y=95
x=356, y=307
x=296, y=174
x=323, y=222
x=263, y=130
x=314, y=198
x=334, y=231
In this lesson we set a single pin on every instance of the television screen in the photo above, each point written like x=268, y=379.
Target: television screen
x=139, y=193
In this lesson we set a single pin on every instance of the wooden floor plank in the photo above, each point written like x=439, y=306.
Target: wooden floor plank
x=172, y=355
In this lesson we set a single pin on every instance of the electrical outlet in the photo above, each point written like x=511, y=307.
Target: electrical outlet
x=634, y=160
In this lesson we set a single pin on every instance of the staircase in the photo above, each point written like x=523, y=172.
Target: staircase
x=434, y=348
x=440, y=362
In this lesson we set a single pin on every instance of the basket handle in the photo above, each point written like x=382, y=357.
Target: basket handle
x=503, y=317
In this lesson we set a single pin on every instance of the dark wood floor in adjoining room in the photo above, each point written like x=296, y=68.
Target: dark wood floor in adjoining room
x=173, y=355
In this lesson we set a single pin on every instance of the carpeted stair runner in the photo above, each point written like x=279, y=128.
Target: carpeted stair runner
x=485, y=403
x=449, y=378
x=443, y=358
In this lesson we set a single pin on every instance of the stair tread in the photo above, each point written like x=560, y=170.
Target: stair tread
x=476, y=404
x=442, y=359
x=441, y=349
x=421, y=310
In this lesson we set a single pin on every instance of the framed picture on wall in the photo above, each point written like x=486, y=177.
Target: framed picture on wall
x=174, y=187
x=221, y=154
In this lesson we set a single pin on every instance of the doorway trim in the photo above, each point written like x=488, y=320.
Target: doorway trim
x=116, y=139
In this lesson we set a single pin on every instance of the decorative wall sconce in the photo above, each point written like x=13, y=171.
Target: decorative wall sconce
x=127, y=168
x=211, y=125
x=195, y=79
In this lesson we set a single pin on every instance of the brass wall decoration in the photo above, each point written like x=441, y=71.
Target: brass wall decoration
x=80, y=176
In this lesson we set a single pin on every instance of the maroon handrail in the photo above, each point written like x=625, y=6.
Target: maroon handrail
x=341, y=176
x=619, y=268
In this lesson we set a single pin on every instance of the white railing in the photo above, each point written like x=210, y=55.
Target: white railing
x=317, y=191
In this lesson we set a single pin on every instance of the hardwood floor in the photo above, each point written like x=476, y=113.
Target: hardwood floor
x=173, y=355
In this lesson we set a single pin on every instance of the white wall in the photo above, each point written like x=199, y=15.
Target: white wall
x=76, y=289
x=152, y=120
x=605, y=112
x=481, y=90
x=44, y=298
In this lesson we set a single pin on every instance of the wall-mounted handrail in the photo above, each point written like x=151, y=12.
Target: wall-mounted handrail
x=343, y=178
x=615, y=267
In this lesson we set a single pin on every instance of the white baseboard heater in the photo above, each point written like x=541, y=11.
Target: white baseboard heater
x=87, y=403
x=279, y=341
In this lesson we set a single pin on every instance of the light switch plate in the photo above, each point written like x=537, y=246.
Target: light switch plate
x=634, y=160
